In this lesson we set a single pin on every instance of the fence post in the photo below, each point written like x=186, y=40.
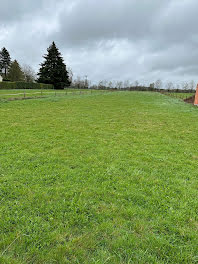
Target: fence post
x=24, y=94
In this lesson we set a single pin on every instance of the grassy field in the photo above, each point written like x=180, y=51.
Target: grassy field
x=21, y=93
x=99, y=178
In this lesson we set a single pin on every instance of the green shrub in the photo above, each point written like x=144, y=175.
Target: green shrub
x=24, y=85
x=59, y=86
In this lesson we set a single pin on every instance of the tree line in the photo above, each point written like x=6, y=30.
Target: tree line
x=12, y=71
x=52, y=69
x=84, y=83
x=135, y=85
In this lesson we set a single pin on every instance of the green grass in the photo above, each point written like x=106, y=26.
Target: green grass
x=21, y=93
x=98, y=178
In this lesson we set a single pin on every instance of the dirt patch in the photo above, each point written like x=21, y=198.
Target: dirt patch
x=23, y=98
x=190, y=100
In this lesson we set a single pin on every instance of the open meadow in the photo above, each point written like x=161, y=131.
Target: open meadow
x=12, y=94
x=99, y=178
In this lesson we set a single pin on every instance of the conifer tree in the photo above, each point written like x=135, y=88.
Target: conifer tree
x=53, y=70
x=5, y=61
x=15, y=73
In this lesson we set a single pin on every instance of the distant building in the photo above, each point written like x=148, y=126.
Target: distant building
x=152, y=85
x=1, y=78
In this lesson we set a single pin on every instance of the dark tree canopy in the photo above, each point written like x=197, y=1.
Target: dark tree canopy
x=15, y=73
x=53, y=70
x=5, y=61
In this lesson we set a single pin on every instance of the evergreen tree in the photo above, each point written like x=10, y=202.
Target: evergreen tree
x=53, y=70
x=5, y=61
x=15, y=73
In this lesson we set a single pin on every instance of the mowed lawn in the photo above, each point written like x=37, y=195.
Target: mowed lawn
x=21, y=93
x=99, y=178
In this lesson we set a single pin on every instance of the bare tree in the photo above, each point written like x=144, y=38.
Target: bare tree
x=184, y=86
x=110, y=85
x=158, y=84
x=78, y=82
x=113, y=84
x=101, y=85
x=89, y=83
x=29, y=73
x=86, y=82
x=178, y=86
x=105, y=83
x=169, y=86
x=119, y=84
x=126, y=84
x=192, y=85
x=70, y=73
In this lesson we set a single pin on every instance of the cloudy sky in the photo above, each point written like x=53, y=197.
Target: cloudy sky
x=108, y=39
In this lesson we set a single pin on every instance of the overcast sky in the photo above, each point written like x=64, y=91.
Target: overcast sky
x=108, y=39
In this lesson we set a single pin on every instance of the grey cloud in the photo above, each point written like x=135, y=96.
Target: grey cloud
x=12, y=11
x=91, y=21
x=114, y=39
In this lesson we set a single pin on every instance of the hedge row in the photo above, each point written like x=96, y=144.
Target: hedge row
x=143, y=88
x=24, y=85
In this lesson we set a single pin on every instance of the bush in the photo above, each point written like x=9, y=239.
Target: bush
x=59, y=86
x=24, y=85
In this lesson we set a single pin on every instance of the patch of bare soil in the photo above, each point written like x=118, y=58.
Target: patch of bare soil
x=23, y=98
x=190, y=100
